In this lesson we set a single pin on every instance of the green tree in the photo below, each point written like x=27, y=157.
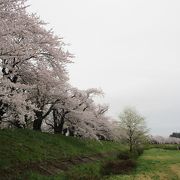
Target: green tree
x=133, y=127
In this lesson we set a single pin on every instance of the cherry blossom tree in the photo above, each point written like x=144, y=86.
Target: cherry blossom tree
x=15, y=108
x=72, y=104
x=80, y=116
x=47, y=91
x=26, y=50
x=34, y=87
x=26, y=43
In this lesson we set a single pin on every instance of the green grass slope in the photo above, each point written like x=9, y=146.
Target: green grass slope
x=20, y=147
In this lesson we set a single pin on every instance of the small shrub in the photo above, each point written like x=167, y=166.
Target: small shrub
x=118, y=167
x=140, y=151
x=124, y=155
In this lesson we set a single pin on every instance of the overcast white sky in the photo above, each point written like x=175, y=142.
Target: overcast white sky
x=129, y=48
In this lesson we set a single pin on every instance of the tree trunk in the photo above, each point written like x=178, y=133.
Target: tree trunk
x=130, y=143
x=3, y=109
x=40, y=116
x=38, y=121
x=59, y=119
x=130, y=147
x=71, y=131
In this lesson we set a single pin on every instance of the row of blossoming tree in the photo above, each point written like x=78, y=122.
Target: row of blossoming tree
x=34, y=88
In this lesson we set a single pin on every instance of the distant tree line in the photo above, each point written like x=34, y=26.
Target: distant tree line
x=163, y=140
x=175, y=134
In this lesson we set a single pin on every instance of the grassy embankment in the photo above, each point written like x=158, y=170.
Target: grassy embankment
x=34, y=155
x=26, y=154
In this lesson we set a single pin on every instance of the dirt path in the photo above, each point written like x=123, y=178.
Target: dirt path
x=50, y=168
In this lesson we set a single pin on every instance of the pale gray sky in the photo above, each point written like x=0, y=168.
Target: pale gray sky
x=129, y=48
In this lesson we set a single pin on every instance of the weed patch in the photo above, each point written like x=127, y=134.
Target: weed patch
x=124, y=155
x=118, y=167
